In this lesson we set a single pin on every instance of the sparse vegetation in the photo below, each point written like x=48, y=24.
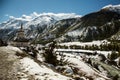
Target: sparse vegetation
x=3, y=43
x=114, y=55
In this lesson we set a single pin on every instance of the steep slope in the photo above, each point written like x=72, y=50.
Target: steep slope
x=98, y=25
x=94, y=26
x=56, y=30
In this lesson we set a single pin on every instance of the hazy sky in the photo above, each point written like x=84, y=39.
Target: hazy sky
x=18, y=7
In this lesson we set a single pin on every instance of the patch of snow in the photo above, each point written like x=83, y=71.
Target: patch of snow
x=82, y=67
x=75, y=33
x=81, y=51
x=40, y=71
x=40, y=56
x=12, y=49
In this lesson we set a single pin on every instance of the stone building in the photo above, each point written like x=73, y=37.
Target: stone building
x=20, y=40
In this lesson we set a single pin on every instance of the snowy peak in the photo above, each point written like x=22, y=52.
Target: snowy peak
x=57, y=16
x=32, y=23
x=60, y=16
x=34, y=19
x=12, y=23
x=114, y=8
x=48, y=18
x=111, y=6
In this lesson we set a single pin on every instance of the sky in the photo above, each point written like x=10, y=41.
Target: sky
x=17, y=8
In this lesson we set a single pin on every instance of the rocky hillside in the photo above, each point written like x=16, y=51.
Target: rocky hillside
x=98, y=25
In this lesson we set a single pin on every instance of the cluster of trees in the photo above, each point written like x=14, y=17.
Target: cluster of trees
x=102, y=47
x=114, y=55
x=51, y=56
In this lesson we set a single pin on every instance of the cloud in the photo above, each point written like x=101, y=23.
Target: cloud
x=11, y=17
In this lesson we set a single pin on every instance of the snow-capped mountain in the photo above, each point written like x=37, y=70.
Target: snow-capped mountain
x=35, y=19
x=13, y=23
x=32, y=22
x=94, y=26
x=67, y=27
x=48, y=18
x=114, y=8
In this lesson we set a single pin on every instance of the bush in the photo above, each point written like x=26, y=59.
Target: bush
x=114, y=55
x=3, y=43
x=50, y=56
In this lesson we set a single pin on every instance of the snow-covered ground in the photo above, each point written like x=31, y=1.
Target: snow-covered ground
x=26, y=68
x=11, y=49
x=31, y=69
x=83, y=51
x=77, y=66
x=83, y=68
x=38, y=72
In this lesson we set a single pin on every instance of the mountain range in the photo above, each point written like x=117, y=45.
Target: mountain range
x=99, y=25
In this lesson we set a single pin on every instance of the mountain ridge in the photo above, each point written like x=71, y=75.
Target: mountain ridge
x=32, y=22
x=99, y=25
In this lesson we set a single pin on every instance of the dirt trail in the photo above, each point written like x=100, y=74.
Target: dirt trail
x=8, y=64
